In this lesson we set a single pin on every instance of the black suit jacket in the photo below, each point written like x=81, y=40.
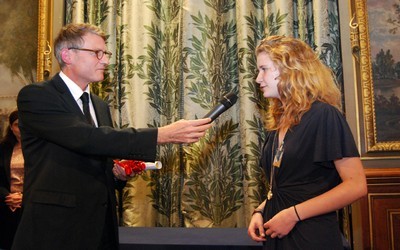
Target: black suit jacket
x=68, y=168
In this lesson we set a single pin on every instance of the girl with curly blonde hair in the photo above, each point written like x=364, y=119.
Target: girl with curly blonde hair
x=310, y=157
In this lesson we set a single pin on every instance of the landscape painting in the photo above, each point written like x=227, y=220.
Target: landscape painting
x=18, y=51
x=384, y=33
x=379, y=28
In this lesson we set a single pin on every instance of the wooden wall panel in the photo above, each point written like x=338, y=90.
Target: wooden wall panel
x=380, y=210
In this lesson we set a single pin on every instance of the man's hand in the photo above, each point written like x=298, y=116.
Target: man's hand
x=183, y=131
x=119, y=173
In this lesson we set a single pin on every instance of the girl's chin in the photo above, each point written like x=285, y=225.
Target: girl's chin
x=269, y=96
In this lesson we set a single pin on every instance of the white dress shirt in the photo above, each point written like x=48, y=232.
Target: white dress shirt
x=77, y=92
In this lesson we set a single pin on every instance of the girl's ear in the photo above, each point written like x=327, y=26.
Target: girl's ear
x=275, y=71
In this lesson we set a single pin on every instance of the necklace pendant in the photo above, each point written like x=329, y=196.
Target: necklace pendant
x=269, y=195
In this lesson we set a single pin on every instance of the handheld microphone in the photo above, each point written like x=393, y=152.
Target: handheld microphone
x=226, y=102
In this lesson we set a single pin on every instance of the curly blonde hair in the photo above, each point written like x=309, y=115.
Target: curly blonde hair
x=303, y=80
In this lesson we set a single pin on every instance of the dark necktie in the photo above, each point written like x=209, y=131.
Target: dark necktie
x=86, y=110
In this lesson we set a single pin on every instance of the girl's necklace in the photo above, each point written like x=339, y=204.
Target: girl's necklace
x=276, y=160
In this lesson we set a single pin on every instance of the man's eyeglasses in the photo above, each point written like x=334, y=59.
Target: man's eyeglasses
x=99, y=53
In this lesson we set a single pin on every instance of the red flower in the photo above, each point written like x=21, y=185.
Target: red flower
x=131, y=166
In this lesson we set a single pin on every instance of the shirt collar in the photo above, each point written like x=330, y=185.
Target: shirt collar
x=75, y=90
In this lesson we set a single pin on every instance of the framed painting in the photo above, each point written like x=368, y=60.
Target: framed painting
x=45, y=40
x=25, y=32
x=375, y=45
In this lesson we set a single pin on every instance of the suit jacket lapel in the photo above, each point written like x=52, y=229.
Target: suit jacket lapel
x=102, y=111
x=66, y=95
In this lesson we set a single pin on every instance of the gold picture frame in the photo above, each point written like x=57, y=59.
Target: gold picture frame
x=361, y=48
x=45, y=42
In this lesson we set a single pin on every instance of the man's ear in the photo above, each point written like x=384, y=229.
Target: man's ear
x=66, y=56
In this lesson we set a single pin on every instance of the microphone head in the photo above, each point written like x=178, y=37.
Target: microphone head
x=228, y=100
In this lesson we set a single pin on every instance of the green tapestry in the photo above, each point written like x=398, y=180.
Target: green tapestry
x=174, y=60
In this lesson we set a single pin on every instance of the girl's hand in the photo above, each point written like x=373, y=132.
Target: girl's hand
x=281, y=224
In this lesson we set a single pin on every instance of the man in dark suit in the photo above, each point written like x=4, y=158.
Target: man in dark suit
x=69, y=196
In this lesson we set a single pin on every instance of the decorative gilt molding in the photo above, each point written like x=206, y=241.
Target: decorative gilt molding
x=44, y=40
x=354, y=38
x=367, y=88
